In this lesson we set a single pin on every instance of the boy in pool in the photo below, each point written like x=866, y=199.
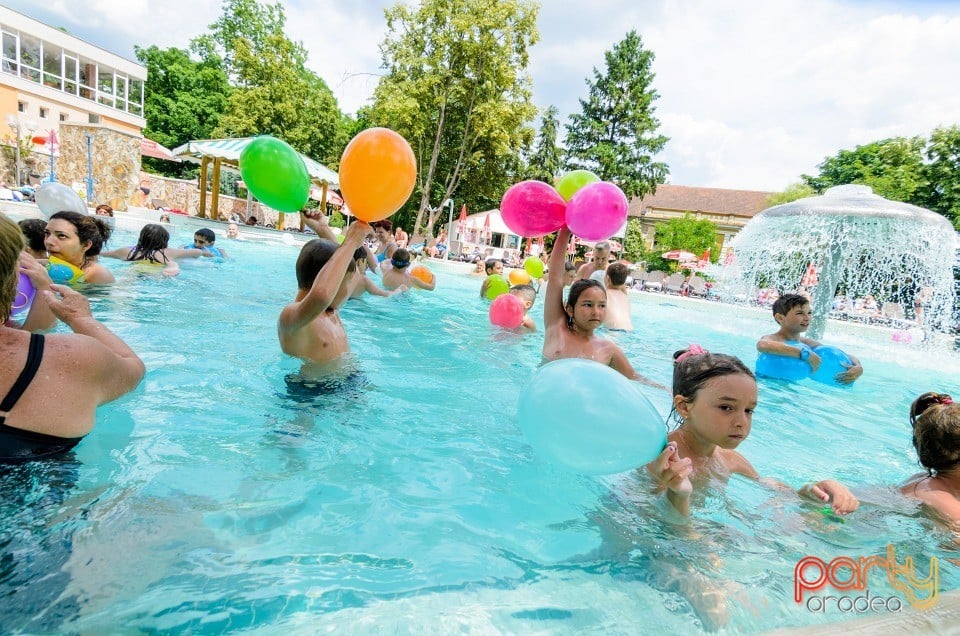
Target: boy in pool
x=204, y=239
x=618, y=303
x=935, y=419
x=360, y=284
x=490, y=267
x=569, y=326
x=793, y=312
x=33, y=231
x=309, y=328
x=714, y=396
x=399, y=276
x=527, y=295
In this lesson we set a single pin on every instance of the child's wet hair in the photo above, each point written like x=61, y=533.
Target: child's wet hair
x=936, y=431
x=617, y=273
x=313, y=256
x=33, y=230
x=693, y=369
x=525, y=292
x=153, y=238
x=401, y=258
x=206, y=234
x=785, y=303
x=489, y=264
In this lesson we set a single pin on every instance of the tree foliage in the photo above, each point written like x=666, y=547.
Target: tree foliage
x=688, y=233
x=634, y=243
x=184, y=99
x=457, y=89
x=891, y=167
x=547, y=158
x=793, y=192
x=941, y=188
x=615, y=134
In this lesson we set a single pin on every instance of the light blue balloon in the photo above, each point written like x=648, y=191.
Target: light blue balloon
x=832, y=362
x=589, y=417
x=780, y=367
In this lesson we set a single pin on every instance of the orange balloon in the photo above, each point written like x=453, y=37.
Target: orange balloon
x=519, y=277
x=377, y=174
x=422, y=273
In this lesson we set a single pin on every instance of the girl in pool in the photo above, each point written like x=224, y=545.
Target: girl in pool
x=76, y=239
x=151, y=249
x=936, y=436
x=569, y=327
x=714, y=396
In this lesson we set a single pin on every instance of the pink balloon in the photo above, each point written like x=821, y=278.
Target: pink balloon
x=506, y=310
x=597, y=211
x=532, y=208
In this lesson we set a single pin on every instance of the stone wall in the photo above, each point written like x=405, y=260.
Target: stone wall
x=115, y=162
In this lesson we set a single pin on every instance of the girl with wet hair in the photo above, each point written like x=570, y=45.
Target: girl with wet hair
x=151, y=249
x=714, y=396
x=77, y=239
x=569, y=326
x=935, y=418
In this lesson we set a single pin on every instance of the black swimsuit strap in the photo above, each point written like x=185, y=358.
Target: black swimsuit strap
x=34, y=355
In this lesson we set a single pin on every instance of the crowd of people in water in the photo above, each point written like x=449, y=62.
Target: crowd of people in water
x=713, y=394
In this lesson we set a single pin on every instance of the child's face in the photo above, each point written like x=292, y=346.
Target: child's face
x=590, y=310
x=722, y=411
x=497, y=268
x=200, y=242
x=797, y=319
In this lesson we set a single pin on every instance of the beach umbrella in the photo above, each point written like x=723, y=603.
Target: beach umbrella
x=810, y=277
x=461, y=220
x=679, y=255
x=486, y=228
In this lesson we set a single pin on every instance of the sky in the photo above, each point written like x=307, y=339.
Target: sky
x=752, y=94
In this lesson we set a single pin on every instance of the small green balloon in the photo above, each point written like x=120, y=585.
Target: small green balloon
x=534, y=266
x=569, y=183
x=496, y=285
x=275, y=173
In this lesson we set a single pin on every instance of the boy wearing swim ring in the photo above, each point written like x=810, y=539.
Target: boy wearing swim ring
x=793, y=313
x=714, y=396
x=398, y=275
x=204, y=239
x=569, y=325
x=310, y=328
x=935, y=418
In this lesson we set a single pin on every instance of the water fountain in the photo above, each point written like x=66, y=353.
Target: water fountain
x=859, y=243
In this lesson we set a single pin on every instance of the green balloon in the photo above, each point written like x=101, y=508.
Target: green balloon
x=496, y=285
x=534, y=266
x=569, y=183
x=275, y=174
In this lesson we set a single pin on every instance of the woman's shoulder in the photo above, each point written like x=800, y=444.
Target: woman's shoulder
x=97, y=273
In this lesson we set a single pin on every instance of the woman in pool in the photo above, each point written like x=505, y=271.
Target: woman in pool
x=77, y=239
x=569, y=327
x=151, y=249
x=935, y=418
x=714, y=396
x=53, y=383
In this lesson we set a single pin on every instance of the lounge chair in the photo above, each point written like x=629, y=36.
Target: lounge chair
x=697, y=286
x=654, y=281
x=673, y=283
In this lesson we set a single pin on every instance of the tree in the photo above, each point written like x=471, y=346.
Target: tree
x=793, y=192
x=941, y=189
x=615, y=134
x=547, y=158
x=634, y=243
x=275, y=93
x=891, y=167
x=688, y=233
x=184, y=99
x=456, y=88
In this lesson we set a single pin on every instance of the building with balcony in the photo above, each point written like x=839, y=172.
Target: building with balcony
x=50, y=79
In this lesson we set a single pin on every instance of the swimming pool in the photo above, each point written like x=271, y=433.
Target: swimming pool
x=216, y=497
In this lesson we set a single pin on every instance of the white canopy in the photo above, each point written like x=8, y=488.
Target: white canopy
x=230, y=149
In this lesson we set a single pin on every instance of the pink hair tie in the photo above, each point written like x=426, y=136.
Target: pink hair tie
x=692, y=350
x=945, y=400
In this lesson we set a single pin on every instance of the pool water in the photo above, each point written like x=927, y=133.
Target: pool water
x=218, y=497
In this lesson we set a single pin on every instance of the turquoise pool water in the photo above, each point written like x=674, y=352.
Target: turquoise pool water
x=211, y=499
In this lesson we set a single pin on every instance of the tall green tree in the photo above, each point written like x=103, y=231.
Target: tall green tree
x=792, y=192
x=893, y=168
x=688, y=233
x=941, y=189
x=184, y=99
x=547, y=158
x=275, y=93
x=615, y=134
x=456, y=87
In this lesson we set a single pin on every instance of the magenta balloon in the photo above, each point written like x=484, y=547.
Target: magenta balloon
x=597, y=211
x=506, y=310
x=532, y=208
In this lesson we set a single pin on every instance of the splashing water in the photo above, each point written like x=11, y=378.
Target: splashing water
x=859, y=243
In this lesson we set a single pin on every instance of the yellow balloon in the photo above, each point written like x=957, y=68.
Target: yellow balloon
x=519, y=277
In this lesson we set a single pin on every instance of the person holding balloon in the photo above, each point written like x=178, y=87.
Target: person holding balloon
x=569, y=325
x=73, y=241
x=527, y=295
x=398, y=276
x=491, y=267
x=714, y=396
x=793, y=313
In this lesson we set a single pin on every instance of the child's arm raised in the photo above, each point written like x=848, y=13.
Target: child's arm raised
x=316, y=221
x=326, y=285
x=553, y=313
